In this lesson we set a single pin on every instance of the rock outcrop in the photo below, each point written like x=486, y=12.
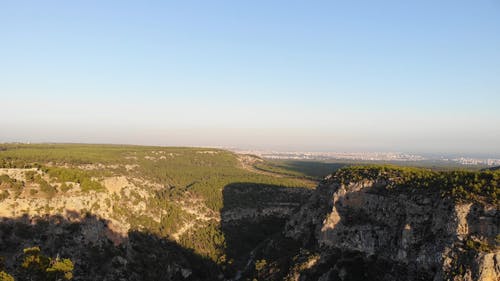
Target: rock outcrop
x=368, y=229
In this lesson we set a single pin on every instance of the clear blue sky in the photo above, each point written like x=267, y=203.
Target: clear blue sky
x=418, y=76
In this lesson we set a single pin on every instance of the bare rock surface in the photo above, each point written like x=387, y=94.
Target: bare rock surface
x=409, y=235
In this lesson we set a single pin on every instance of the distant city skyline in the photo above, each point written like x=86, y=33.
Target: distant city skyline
x=393, y=76
x=392, y=157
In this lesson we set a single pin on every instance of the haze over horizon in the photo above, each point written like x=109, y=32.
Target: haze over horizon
x=313, y=76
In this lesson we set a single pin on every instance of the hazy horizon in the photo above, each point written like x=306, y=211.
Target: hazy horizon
x=272, y=149
x=284, y=75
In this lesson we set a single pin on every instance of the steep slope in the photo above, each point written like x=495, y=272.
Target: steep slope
x=390, y=224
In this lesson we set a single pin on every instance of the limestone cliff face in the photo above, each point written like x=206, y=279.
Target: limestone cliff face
x=406, y=235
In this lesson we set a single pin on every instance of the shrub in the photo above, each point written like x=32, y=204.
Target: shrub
x=260, y=264
x=4, y=195
x=4, y=276
x=39, y=267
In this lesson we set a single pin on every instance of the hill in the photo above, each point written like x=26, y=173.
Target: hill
x=171, y=192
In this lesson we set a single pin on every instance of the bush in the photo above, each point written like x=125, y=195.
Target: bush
x=260, y=264
x=88, y=185
x=65, y=187
x=4, y=195
x=4, y=276
x=39, y=267
x=46, y=187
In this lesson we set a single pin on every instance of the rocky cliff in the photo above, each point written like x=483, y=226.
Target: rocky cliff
x=380, y=228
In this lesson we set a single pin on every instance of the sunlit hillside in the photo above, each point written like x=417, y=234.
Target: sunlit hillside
x=171, y=192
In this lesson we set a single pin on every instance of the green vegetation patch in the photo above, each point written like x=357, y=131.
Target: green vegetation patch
x=205, y=175
x=27, y=155
x=7, y=182
x=45, y=187
x=84, y=178
x=198, y=239
x=460, y=184
x=314, y=170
